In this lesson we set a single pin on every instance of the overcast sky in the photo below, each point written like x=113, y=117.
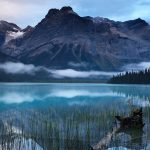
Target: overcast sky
x=30, y=12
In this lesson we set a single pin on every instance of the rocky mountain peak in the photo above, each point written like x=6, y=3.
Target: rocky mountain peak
x=139, y=20
x=52, y=12
x=27, y=29
x=6, y=26
x=137, y=23
x=66, y=9
x=64, y=39
x=63, y=11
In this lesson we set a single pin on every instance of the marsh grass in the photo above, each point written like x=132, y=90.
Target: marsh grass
x=62, y=128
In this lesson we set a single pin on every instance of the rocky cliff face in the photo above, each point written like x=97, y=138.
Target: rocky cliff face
x=63, y=39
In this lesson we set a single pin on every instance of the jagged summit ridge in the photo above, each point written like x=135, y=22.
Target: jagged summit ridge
x=63, y=38
x=66, y=9
x=63, y=10
x=137, y=23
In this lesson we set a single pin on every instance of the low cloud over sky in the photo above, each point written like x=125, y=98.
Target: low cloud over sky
x=30, y=12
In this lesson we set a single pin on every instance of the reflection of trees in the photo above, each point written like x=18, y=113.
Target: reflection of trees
x=132, y=91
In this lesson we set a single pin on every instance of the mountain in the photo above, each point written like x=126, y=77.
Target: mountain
x=63, y=39
x=6, y=28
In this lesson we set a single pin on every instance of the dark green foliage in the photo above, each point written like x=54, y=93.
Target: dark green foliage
x=140, y=77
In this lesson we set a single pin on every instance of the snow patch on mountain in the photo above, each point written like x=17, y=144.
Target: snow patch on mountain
x=100, y=20
x=78, y=65
x=10, y=35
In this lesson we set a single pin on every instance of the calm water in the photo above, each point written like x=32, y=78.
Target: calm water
x=70, y=116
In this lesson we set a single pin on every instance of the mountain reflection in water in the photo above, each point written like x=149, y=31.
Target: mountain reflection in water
x=69, y=116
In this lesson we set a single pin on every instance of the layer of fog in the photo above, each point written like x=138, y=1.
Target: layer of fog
x=71, y=73
x=136, y=66
x=82, y=64
x=20, y=68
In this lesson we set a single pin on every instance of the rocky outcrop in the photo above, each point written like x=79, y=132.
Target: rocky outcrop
x=27, y=29
x=136, y=24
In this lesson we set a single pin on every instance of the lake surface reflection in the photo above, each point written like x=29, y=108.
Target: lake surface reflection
x=70, y=116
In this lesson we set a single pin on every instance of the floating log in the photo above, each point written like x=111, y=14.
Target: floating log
x=104, y=143
x=134, y=121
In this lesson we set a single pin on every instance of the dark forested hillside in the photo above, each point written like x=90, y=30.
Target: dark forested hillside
x=140, y=77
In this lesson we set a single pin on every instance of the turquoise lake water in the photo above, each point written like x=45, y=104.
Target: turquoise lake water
x=70, y=116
